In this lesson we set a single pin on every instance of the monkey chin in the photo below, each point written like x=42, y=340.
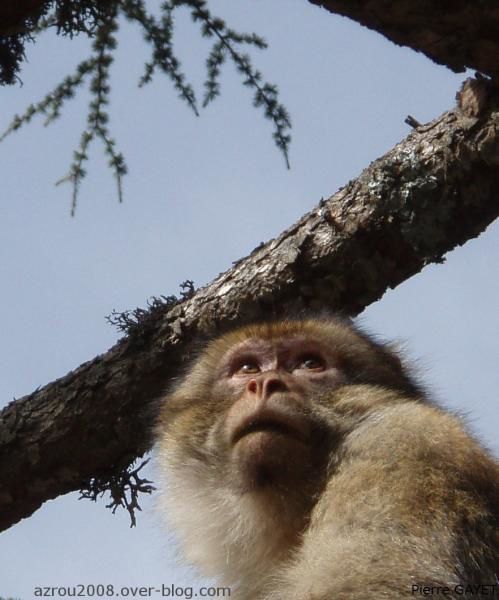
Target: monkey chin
x=269, y=460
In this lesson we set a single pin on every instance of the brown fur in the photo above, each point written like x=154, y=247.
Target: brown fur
x=370, y=490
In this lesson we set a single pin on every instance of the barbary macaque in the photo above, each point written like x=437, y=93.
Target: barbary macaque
x=303, y=463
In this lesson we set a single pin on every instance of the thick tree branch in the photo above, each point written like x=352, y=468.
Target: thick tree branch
x=457, y=33
x=433, y=191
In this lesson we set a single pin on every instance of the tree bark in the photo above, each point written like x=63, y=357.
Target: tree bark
x=457, y=33
x=433, y=191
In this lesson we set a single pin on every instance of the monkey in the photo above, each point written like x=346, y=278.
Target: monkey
x=304, y=462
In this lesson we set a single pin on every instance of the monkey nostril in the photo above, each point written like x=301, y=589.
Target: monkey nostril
x=273, y=385
x=252, y=386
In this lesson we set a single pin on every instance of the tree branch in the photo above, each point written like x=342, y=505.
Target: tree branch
x=433, y=191
x=456, y=33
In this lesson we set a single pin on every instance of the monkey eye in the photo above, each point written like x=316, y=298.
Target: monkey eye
x=311, y=363
x=248, y=368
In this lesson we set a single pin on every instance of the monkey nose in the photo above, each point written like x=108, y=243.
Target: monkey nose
x=266, y=385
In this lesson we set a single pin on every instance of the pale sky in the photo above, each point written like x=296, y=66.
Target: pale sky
x=201, y=193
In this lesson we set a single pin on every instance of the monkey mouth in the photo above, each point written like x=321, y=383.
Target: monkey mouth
x=272, y=422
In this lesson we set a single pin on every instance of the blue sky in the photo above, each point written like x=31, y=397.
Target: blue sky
x=201, y=193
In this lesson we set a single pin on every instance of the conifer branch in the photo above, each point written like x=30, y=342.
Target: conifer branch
x=99, y=21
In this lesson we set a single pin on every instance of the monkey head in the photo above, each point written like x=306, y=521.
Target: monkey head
x=257, y=404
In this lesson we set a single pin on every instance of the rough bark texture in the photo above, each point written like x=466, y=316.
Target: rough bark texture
x=457, y=33
x=433, y=191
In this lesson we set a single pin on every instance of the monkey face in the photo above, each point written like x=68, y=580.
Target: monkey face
x=258, y=409
x=272, y=432
x=257, y=427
